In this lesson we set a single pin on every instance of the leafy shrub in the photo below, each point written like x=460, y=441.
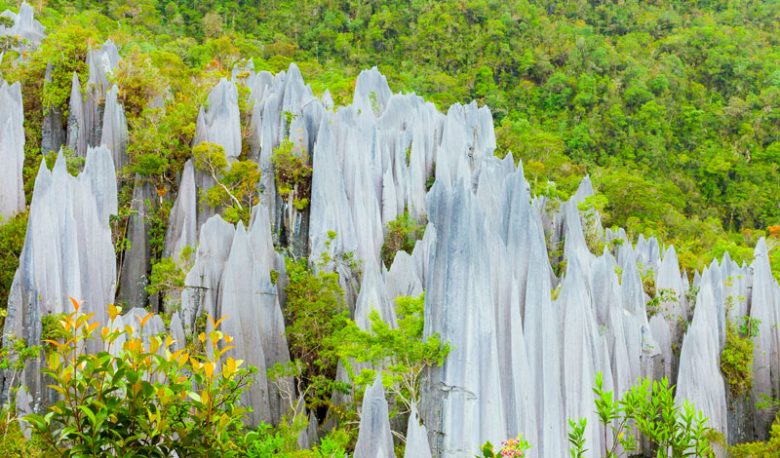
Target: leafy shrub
x=235, y=187
x=402, y=352
x=736, y=359
x=137, y=397
x=266, y=441
x=292, y=174
x=768, y=449
x=649, y=406
x=12, y=232
x=402, y=233
x=661, y=303
x=314, y=312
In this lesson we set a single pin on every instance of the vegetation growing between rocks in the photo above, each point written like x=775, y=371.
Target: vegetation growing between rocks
x=649, y=406
x=736, y=358
x=235, y=190
x=292, y=174
x=402, y=233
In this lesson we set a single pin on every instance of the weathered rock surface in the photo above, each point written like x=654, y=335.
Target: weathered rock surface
x=30, y=31
x=531, y=314
x=219, y=121
x=136, y=259
x=375, y=439
x=67, y=252
x=11, y=151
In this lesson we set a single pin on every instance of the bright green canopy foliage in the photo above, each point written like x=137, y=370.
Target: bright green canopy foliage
x=671, y=106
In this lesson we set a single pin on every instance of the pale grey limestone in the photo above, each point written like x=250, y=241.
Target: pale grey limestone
x=77, y=134
x=242, y=316
x=416, y=437
x=53, y=131
x=699, y=380
x=219, y=122
x=30, y=31
x=182, y=229
x=67, y=252
x=137, y=258
x=463, y=401
x=101, y=62
x=375, y=439
x=12, y=199
x=114, y=134
x=201, y=285
x=764, y=307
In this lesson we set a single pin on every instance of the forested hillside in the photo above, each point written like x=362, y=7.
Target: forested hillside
x=671, y=106
x=383, y=228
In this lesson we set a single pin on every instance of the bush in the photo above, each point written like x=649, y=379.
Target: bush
x=649, y=407
x=400, y=351
x=139, y=398
x=736, y=359
x=314, y=312
x=12, y=234
x=292, y=174
x=402, y=233
x=768, y=449
x=235, y=187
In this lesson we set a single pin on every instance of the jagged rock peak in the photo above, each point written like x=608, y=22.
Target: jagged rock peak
x=102, y=62
x=67, y=251
x=12, y=199
x=114, y=134
x=219, y=121
x=371, y=92
x=375, y=439
x=25, y=26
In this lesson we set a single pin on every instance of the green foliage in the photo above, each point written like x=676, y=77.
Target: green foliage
x=168, y=275
x=663, y=302
x=136, y=397
x=736, y=358
x=768, y=449
x=577, y=438
x=648, y=406
x=400, y=352
x=292, y=173
x=591, y=209
x=73, y=163
x=235, y=188
x=12, y=233
x=402, y=234
x=266, y=441
x=315, y=311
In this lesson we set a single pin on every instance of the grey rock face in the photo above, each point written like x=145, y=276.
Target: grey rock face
x=375, y=440
x=764, y=307
x=67, y=252
x=53, y=131
x=183, y=220
x=114, y=133
x=700, y=381
x=462, y=404
x=220, y=121
x=11, y=151
x=416, y=438
x=136, y=261
x=238, y=307
x=77, y=123
x=231, y=279
x=101, y=62
x=25, y=27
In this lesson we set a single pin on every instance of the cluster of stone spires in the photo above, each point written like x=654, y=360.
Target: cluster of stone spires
x=526, y=343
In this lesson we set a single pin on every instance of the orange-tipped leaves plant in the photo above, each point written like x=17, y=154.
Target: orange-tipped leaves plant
x=141, y=394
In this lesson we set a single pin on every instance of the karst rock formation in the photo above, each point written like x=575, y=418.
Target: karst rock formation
x=527, y=339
